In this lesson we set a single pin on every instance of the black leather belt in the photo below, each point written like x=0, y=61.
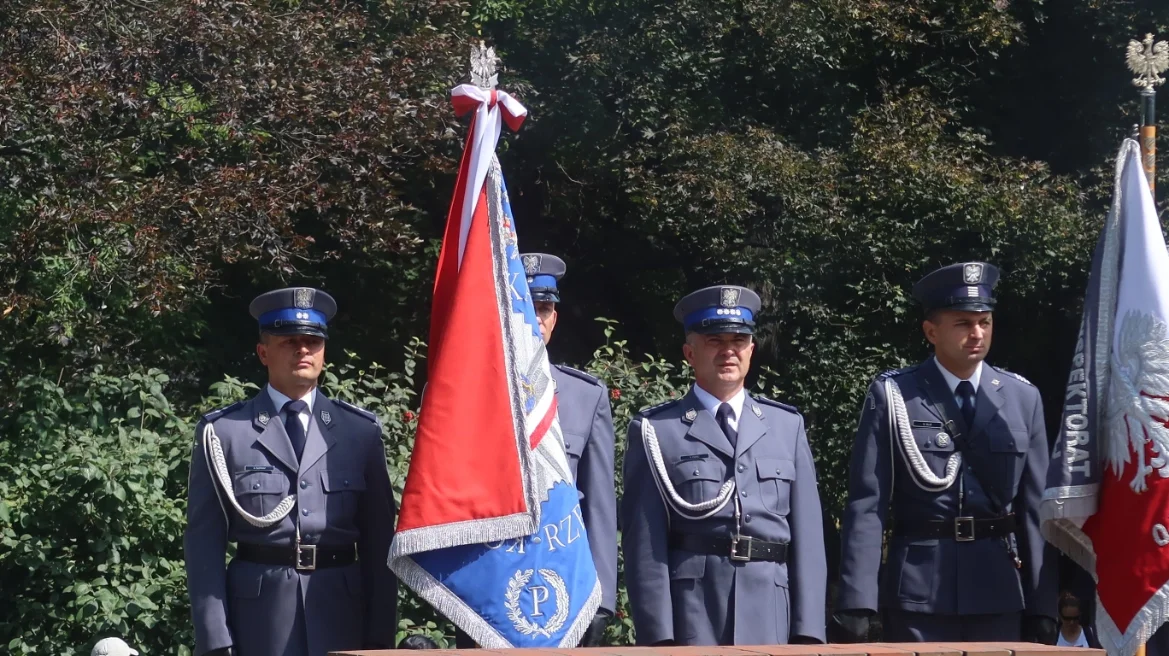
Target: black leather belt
x=962, y=529
x=743, y=548
x=307, y=558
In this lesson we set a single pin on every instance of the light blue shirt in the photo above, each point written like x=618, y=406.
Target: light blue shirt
x=711, y=404
x=953, y=380
x=279, y=399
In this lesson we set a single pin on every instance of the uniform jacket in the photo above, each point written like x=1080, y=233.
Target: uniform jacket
x=700, y=599
x=343, y=497
x=1008, y=447
x=587, y=423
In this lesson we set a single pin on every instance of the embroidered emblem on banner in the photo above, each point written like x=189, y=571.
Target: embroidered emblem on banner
x=1140, y=398
x=536, y=598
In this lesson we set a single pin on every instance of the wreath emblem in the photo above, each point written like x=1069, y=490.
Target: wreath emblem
x=512, y=603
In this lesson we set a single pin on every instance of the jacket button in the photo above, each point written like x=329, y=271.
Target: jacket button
x=303, y=484
x=778, y=471
x=346, y=483
x=744, y=493
x=255, y=486
x=742, y=467
x=695, y=472
x=304, y=512
x=747, y=518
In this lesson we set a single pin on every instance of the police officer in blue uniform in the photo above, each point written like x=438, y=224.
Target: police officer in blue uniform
x=721, y=518
x=951, y=454
x=298, y=482
x=586, y=421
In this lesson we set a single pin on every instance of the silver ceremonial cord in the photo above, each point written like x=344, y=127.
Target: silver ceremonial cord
x=669, y=494
x=899, y=432
x=217, y=465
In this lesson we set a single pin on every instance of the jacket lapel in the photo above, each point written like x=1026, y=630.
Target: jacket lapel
x=703, y=427
x=751, y=426
x=266, y=421
x=988, y=401
x=320, y=437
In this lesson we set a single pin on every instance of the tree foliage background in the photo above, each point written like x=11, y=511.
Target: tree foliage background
x=164, y=161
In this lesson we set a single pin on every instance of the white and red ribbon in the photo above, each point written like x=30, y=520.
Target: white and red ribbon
x=492, y=108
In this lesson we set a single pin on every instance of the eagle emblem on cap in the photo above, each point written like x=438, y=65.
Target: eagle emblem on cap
x=531, y=264
x=972, y=273
x=303, y=297
x=730, y=297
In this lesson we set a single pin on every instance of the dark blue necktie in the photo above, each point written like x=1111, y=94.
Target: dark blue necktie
x=723, y=415
x=292, y=425
x=965, y=392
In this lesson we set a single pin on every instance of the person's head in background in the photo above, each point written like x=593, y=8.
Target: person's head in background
x=1069, y=616
x=417, y=641
x=112, y=647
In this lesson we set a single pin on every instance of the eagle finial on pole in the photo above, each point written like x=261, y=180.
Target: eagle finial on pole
x=1147, y=60
x=483, y=67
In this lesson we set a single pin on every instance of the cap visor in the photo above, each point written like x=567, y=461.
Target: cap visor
x=297, y=330
x=737, y=328
x=968, y=307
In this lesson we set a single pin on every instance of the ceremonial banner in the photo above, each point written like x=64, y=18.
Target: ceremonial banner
x=1107, y=502
x=490, y=530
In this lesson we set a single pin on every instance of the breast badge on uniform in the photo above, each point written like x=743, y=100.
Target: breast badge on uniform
x=942, y=440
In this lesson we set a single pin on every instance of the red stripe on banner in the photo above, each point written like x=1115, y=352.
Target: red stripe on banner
x=545, y=424
x=464, y=465
x=1130, y=565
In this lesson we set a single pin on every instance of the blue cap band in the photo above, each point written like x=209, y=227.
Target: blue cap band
x=291, y=316
x=542, y=281
x=730, y=315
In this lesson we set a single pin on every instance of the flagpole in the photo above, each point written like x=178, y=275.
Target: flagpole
x=1147, y=60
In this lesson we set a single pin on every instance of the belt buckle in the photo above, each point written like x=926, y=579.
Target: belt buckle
x=964, y=529
x=736, y=553
x=306, y=557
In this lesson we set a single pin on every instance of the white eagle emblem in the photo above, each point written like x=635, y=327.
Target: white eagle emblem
x=1138, y=401
x=303, y=297
x=531, y=264
x=972, y=273
x=730, y=297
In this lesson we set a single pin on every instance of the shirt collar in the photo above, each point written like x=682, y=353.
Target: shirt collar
x=711, y=403
x=279, y=399
x=953, y=380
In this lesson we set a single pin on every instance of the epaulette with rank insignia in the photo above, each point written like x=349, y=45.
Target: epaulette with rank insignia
x=217, y=413
x=889, y=373
x=580, y=374
x=1013, y=375
x=656, y=408
x=356, y=410
x=790, y=408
